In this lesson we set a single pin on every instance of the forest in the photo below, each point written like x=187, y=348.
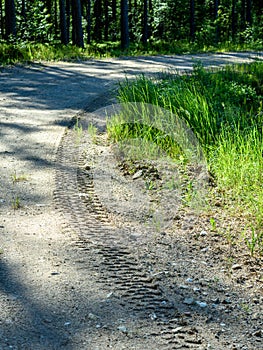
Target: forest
x=124, y=23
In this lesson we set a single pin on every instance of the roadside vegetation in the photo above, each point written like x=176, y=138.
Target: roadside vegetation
x=26, y=52
x=224, y=109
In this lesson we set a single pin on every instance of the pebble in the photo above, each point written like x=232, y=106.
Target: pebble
x=182, y=286
x=91, y=316
x=227, y=301
x=177, y=329
x=205, y=249
x=203, y=233
x=236, y=267
x=122, y=329
x=138, y=174
x=188, y=301
x=189, y=280
x=258, y=333
x=153, y=316
x=201, y=304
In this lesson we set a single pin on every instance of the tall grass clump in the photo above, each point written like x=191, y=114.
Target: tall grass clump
x=224, y=109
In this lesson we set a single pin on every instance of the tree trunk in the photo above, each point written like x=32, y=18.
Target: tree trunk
x=114, y=19
x=1, y=20
x=243, y=15
x=233, y=19
x=63, y=23
x=145, y=22
x=248, y=12
x=125, y=41
x=88, y=21
x=98, y=20
x=192, y=19
x=216, y=4
x=77, y=32
x=106, y=24
x=68, y=17
x=10, y=18
x=150, y=19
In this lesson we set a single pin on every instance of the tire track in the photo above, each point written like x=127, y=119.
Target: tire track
x=117, y=263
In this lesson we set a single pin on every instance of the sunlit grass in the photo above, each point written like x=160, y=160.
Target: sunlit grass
x=21, y=52
x=224, y=110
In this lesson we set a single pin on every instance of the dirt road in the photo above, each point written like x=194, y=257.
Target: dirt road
x=53, y=292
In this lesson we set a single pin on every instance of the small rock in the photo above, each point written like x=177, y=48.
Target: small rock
x=188, y=301
x=227, y=301
x=189, y=280
x=258, y=333
x=122, y=329
x=182, y=286
x=91, y=316
x=204, y=250
x=236, y=267
x=67, y=323
x=153, y=316
x=177, y=329
x=201, y=304
x=196, y=290
x=203, y=233
x=86, y=167
x=138, y=174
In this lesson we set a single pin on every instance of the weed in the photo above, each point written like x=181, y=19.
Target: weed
x=213, y=224
x=255, y=242
x=245, y=307
x=92, y=131
x=150, y=185
x=19, y=178
x=16, y=203
x=78, y=130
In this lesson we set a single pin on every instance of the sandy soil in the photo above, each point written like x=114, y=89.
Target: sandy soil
x=49, y=297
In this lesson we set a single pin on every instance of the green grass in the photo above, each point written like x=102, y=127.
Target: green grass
x=224, y=110
x=21, y=52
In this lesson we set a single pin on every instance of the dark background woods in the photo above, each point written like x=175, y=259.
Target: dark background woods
x=82, y=22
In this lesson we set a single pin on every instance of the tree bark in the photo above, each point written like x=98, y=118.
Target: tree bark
x=233, y=19
x=192, y=19
x=216, y=4
x=10, y=18
x=125, y=41
x=145, y=23
x=248, y=12
x=63, y=23
x=88, y=21
x=106, y=24
x=114, y=19
x=98, y=20
x=77, y=31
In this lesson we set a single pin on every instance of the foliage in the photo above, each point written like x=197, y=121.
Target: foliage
x=224, y=108
x=168, y=22
x=34, y=25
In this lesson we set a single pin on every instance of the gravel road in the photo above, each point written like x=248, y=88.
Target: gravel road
x=50, y=297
